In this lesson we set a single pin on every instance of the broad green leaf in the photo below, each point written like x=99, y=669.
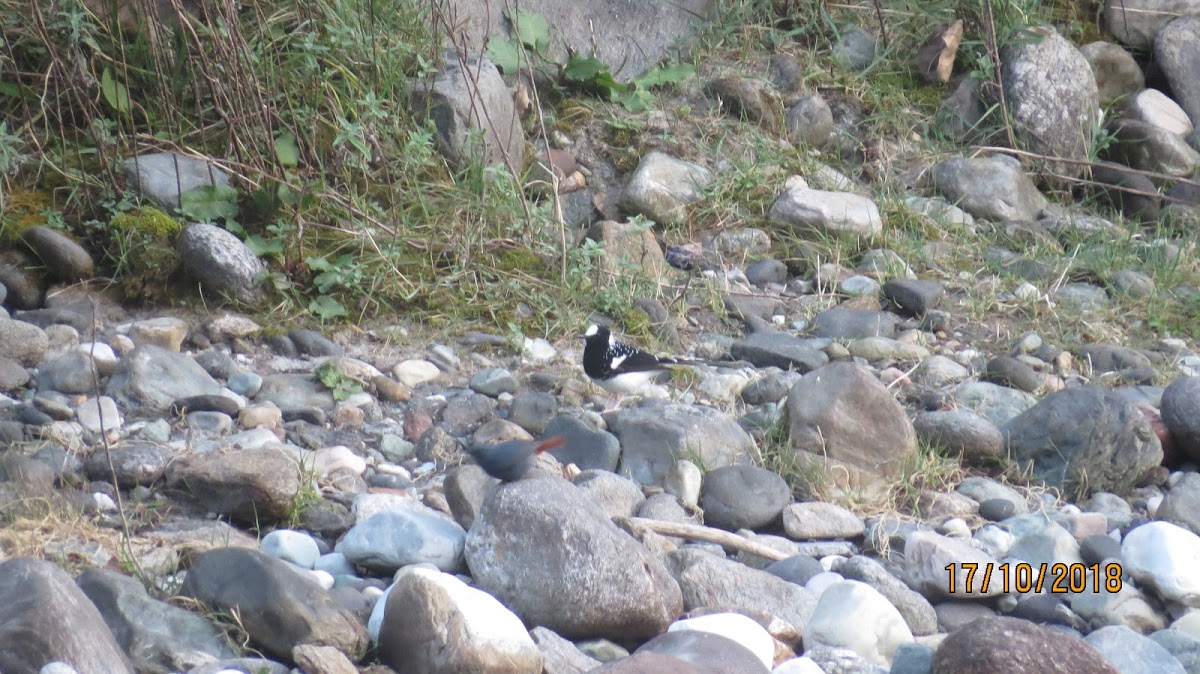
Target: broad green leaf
x=508, y=56
x=207, y=203
x=286, y=150
x=583, y=68
x=636, y=99
x=318, y=264
x=531, y=28
x=10, y=89
x=326, y=308
x=287, y=195
x=661, y=75
x=114, y=92
x=264, y=247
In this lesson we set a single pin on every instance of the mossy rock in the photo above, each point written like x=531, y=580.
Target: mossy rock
x=520, y=260
x=23, y=210
x=149, y=221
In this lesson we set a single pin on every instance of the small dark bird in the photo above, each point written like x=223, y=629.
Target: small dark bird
x=509, y=461
x=620, y=368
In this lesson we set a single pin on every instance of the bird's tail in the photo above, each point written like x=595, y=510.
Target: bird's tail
x=550, y=443
x=692, y=362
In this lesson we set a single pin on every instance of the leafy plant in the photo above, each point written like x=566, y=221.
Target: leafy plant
x=583, y=72
x=337, y=381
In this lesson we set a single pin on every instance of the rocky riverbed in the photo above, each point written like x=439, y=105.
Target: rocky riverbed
x=266, y=520
x=940, y=443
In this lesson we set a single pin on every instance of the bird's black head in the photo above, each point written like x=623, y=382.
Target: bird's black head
x=597, y=340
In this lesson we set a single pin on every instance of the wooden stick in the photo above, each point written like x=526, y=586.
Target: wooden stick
x=698, y=532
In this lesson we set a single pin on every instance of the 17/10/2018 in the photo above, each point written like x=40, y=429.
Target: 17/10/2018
x=1022, y=577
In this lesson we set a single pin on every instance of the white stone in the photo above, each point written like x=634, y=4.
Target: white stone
x=339, y=457
x=538, y=350
x=839, y=214
x=95, y=413
x=104, y=502
x=1165, y=557
x=855, y=615
x=366, y=505
x=683, y=481
x=995, y=541
x=484, y=623
x=798, y=666
x=296, y=547
x=413, y=373
x=335, y=564
x=733, y=626
x=1157, y=109
x=376, y=619
x=321, y=577
x=57, y=668
x=823, y=581
x=956, y=528
x=102, y=355
x=1188, y=623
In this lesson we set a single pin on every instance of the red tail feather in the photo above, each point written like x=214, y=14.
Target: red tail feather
x=550, y=443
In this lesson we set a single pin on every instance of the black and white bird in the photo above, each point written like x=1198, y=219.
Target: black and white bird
x=623, y=369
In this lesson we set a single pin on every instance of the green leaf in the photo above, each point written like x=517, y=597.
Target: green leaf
x=661, y=75
x=326, y=308
x=592, y=74
x=286, y=150
x=531, y=28
x=10, y=89
x=635, y=100
x=583, y=68
x=114, y=92
x=287, y=195
x=264, y=247
x=318, y=264
x=207, y=203
x=508, y=56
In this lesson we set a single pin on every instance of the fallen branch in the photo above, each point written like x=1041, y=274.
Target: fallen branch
x=699, y=532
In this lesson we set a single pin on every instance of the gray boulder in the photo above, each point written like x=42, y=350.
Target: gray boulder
x=1084, y=439
x=1052, y=93
x=653, y=437
x=167, y=175
x=553, y=557
x=45, y=617
x=468, y=95
x=992, y=188
x=843, y=414
x=220, y=262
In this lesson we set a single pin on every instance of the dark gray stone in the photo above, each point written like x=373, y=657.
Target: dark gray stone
x=1085, y=439
x=313, y=343
x=776, y=349
x=151, y=378
x=798, y=569
x=45, y=617
x=838, y=323
x=159, y=637
x=1014, y=646
x=992, y=188
x=962, y=433
x=1010, y=372
x=586, y=447
x=466, y=96
x=65, y=260
x=1181, y=415
x=743, y=497
x=279, y=607
x=913, y=296
x=167, y=175
x=1096, y=549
